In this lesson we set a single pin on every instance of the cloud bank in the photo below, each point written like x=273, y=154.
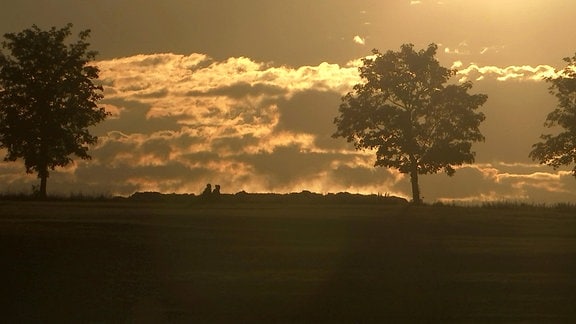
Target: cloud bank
x=521, y=73
x=181, y=121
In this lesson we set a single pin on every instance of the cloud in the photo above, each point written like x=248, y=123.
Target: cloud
x=359, y=40
x=457, y=65
x=465, y=49
x=456, y=51
x=500, y=182
x=244, y=124
x=461, y=49
x=181, y=121
x=518, y=73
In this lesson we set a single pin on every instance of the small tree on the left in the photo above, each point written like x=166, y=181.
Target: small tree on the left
x=48, y=99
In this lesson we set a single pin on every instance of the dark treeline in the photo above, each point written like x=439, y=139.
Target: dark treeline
x=244, y=197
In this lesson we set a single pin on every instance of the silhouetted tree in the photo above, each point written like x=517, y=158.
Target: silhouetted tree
x=560, y=149
x=405, y=111
x=47, y=99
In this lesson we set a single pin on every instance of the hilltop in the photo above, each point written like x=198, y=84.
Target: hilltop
x=295, y=197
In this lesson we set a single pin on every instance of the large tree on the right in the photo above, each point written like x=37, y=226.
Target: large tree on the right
x=407, y=111
x=560, y=148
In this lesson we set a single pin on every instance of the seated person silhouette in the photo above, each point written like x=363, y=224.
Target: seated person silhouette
x=208, y=190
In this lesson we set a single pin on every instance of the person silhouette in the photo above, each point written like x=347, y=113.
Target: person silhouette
x=208, y=190
x=216, y=190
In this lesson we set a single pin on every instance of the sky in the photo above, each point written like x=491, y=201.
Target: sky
x=243, y=93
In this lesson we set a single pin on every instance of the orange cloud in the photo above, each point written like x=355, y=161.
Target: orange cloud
x=181, y=121
x=517, y=182
x=516, y=73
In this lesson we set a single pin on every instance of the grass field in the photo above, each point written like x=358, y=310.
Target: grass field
x=156, y=262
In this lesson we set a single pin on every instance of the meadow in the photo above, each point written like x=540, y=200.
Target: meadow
x=127, y=261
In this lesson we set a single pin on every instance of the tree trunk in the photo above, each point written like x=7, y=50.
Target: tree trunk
x=43, y=175
x=412, y=147
x=42, y=192
x=416, y=199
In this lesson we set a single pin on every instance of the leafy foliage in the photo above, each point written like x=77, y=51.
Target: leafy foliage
x=47, y=99
x=560, y=149
x=405, y=111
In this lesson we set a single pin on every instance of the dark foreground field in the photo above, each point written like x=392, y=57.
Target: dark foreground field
x=137, y=262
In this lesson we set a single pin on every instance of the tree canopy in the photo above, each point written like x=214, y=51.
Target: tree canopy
x=48, y=99
x=560, y=149
x=405, y=111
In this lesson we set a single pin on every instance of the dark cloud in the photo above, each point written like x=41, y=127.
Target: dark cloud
x=499, y=182
x=125, y=181
x=288, y=166
x=309, y=112
x=162, y=93
x=312, y=112
x=94, y=180
x=133, y=119
x=466, y=182
x=564, y=190
x=201, y=157
x=234, y=145
x=107, y=152
x=158, y=148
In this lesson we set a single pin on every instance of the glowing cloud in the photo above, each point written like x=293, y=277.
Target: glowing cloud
x=223, y=117
x=359, y=40
x=181, y=121
x=518, y=73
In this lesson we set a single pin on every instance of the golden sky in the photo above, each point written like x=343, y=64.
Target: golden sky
x=243, y=93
